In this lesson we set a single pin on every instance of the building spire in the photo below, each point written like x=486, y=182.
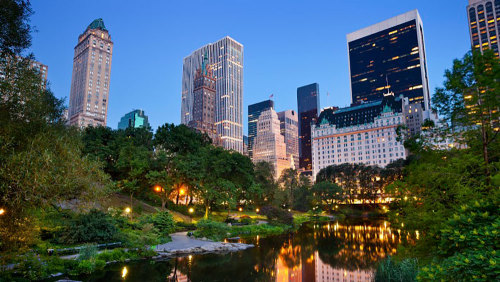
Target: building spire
x=204, y=64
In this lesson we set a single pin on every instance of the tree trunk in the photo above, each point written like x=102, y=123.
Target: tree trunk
x=163, y=203
x=131, y=209
x=206, y=211
x=177, y=199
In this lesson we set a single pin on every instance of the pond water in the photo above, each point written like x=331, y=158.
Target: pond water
x=332, y=251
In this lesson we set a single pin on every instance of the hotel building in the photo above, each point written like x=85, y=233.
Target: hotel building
x=269, y=144
x=89, y=96
x=204, y=92
x=363, y=133
x=226, y=59
x=484, y=24
x=390, y=54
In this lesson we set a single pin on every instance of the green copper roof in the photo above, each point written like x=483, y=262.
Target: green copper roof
x=97, y=24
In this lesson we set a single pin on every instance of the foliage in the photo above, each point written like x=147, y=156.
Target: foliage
x=276, y=215
x=94, y=226
x=326, y=194
x=390, y=270
x=468, y=245
x=163, y=221
x=262, y=230
x=88, y=252
x=469, y=100
x=213, y=230
x=266, y=187
x=15, y=30
x=89, y=266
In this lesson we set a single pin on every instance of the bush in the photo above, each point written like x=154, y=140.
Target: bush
x=246, y=220
x=89, y=266
x=211, y=229
x=164, y=222
x=92, y=227
x=277, y=215
x=392, y=271
x=88, y=252
x=184, y=226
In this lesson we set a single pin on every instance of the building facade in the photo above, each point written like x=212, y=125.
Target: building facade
x=308, y=109
x=89, y=96
x=269, y=144
x=289, y=128
x=484, y=24
x=363, y=133
x=204, y=92
x=134, y=119
x=226, y=59
x=254, y=112
x=390, y=54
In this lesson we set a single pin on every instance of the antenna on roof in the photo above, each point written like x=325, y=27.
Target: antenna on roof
x=387, y=86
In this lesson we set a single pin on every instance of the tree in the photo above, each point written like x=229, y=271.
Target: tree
x=133, y=163
x=268, y=188
x=15, y=30
x=289, y=181
x=470, y=99
x=179, y=139
x=326, y=194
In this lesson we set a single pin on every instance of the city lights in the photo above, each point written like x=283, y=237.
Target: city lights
x=2, y=211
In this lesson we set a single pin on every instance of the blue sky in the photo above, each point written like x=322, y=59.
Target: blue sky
x=287, y=44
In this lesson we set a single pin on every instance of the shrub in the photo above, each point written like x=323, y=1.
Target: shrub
x=92, y=227
x=88, y=252
x=164, y=222
x=391, y=271
x=246, y=220
x=89, y=266
x=277, y=215
x=211, y=229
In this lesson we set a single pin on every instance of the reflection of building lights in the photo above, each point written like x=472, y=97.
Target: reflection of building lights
x=124, y=272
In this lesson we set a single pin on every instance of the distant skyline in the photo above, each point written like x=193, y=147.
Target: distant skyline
x=287, y=44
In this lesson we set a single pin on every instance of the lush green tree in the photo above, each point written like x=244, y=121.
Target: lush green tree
x=470, y=99
x=289, y=182
x=326, y=194
x=179, y=139
x=133, y=163
x=268, y=187
x=15, y=30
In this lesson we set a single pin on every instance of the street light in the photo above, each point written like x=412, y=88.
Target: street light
x=191, y=210
x=158, y=188
x=2, y=211
x=257, y=210
x=240, y=209
x=128, y=210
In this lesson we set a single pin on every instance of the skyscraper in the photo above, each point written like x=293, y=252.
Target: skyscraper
x=203, y=118
x=254, y=112
x=88, y=102
x=226, y=58
x=134, y=119
x=389, y=54
x=289, y=128
x=269, y=144
x=308, y=109
x=484, y=24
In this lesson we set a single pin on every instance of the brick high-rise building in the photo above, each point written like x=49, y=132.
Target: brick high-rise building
x=484, y=24
x=226, y=58
x=89, y=96
x=203, y=110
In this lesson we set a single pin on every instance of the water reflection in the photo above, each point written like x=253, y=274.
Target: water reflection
x=336, y=251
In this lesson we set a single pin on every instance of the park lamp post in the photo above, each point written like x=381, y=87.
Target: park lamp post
x=2, y=211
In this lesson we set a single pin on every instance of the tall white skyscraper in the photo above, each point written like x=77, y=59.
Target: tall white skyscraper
x=226, y=60
x=269, y=144
x=88, y=100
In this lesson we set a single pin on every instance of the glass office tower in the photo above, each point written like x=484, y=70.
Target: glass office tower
x=308, y=110
x=254, y=112
x=389, y=55
x=135, y=119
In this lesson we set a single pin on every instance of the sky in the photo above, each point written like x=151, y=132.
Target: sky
x=287, y=44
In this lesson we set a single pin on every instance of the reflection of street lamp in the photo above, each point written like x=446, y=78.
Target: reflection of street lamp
x=124, y=272
x=2, y=211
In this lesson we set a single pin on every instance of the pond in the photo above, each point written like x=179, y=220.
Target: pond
x=331, y=251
